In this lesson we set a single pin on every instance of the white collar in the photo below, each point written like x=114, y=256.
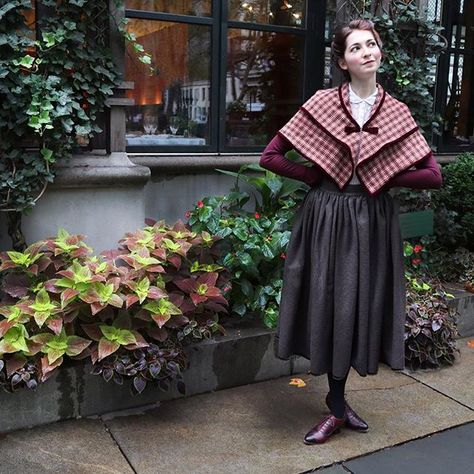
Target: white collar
x=355, y=99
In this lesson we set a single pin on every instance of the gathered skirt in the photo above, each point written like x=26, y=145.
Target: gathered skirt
x=343, y=296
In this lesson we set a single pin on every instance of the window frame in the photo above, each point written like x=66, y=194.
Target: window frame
x=313, y=70
x=450, y=13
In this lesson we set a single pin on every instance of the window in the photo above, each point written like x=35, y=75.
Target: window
x=226, y=74
x=455, y=88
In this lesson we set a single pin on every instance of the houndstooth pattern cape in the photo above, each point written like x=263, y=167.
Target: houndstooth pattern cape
x=324, y=132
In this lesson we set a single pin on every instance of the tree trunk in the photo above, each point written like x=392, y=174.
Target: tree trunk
x=14, y=231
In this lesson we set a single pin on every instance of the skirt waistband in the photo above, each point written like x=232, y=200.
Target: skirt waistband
x=331, y=186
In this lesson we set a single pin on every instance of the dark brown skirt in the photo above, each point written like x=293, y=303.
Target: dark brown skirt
x=343, y=296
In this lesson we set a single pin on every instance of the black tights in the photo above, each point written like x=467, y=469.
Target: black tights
x=336, y=395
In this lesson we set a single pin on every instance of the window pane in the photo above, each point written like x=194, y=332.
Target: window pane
x=184, y=7
x=458, y=116
x=264, y=84
x=273, y=12
x=170, y=106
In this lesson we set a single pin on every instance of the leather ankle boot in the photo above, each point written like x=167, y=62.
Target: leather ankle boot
x=323, y=430
x=353, y=420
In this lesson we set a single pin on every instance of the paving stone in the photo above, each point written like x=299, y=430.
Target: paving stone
x=456, y=381
x=72, y=447
x=447, y=452
x=259, y=428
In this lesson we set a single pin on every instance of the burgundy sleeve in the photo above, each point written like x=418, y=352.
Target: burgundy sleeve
x=273, y=159
x=426, y=176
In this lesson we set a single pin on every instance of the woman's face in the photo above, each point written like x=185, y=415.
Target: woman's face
x=362, y=55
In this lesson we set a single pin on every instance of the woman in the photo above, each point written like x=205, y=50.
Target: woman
x=343, y=297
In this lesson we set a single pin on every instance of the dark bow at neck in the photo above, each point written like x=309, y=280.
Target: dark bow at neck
x=353, y=129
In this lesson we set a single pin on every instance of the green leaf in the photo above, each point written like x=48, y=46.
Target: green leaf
x=47, y=154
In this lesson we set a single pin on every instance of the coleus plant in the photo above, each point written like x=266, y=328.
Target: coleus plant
x=160, y=289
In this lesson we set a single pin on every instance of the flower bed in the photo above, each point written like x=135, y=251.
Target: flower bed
x=129, y=311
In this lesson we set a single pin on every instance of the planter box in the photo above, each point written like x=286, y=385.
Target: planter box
x=416, y=224
x=243, y=356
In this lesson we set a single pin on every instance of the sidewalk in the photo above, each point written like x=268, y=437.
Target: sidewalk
x=258, y=428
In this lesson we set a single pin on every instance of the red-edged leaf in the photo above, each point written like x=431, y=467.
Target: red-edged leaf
x=43, y=263
x=159, y=253
x=42, y=338
x=50, y=286
x=106, y=348
x=198, y=298
x=213, y=291
x=14, y=363
x=150, y=222
x=219, y=299
x=116, y=301
x=47, y=369
x=160, y=334
x=76, y=344
x=175, y=260
x=69, y=274
x=208, y=278
x=55, y=324
x=131, y=299
x=188, y=285
x=5, y=326
x=160, y=319
x=16, y=285
x=143, y=314
x=67, y=295
x=177, y=321
x=96, y=307
x=34, y=347
x=155, y=269
x=92, y=330
x=95, y=353
x=111, y=254
x=154, y=293
x=80, y=252
x=140, y=342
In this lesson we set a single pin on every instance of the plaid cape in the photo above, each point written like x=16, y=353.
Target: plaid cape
x=324, y=132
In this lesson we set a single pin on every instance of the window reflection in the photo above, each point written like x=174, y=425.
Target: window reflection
x=263, y=84
x=171, y=104
x=184, y=7
x=274, y=12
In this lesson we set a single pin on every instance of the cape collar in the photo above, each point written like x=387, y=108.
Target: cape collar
x=343, y=92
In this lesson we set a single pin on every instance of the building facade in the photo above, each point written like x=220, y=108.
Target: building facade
x=225, y=76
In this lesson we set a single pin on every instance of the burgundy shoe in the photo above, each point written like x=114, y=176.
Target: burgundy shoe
x=353, y=420
x=322, y=431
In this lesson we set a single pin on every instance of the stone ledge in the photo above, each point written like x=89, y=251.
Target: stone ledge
x=192, y=163
x=100, y=170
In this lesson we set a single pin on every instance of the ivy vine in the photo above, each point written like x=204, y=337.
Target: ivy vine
x=55, y=76
x=411, y=45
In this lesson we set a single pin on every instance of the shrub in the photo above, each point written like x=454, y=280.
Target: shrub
x=130, y=310
x=254, y=240
x=454, y=219
x=430, y=327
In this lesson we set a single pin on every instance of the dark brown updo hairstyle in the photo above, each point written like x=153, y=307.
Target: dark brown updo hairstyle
x=338, y=45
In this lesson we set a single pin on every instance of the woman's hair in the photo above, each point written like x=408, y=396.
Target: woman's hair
x=338, y=45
